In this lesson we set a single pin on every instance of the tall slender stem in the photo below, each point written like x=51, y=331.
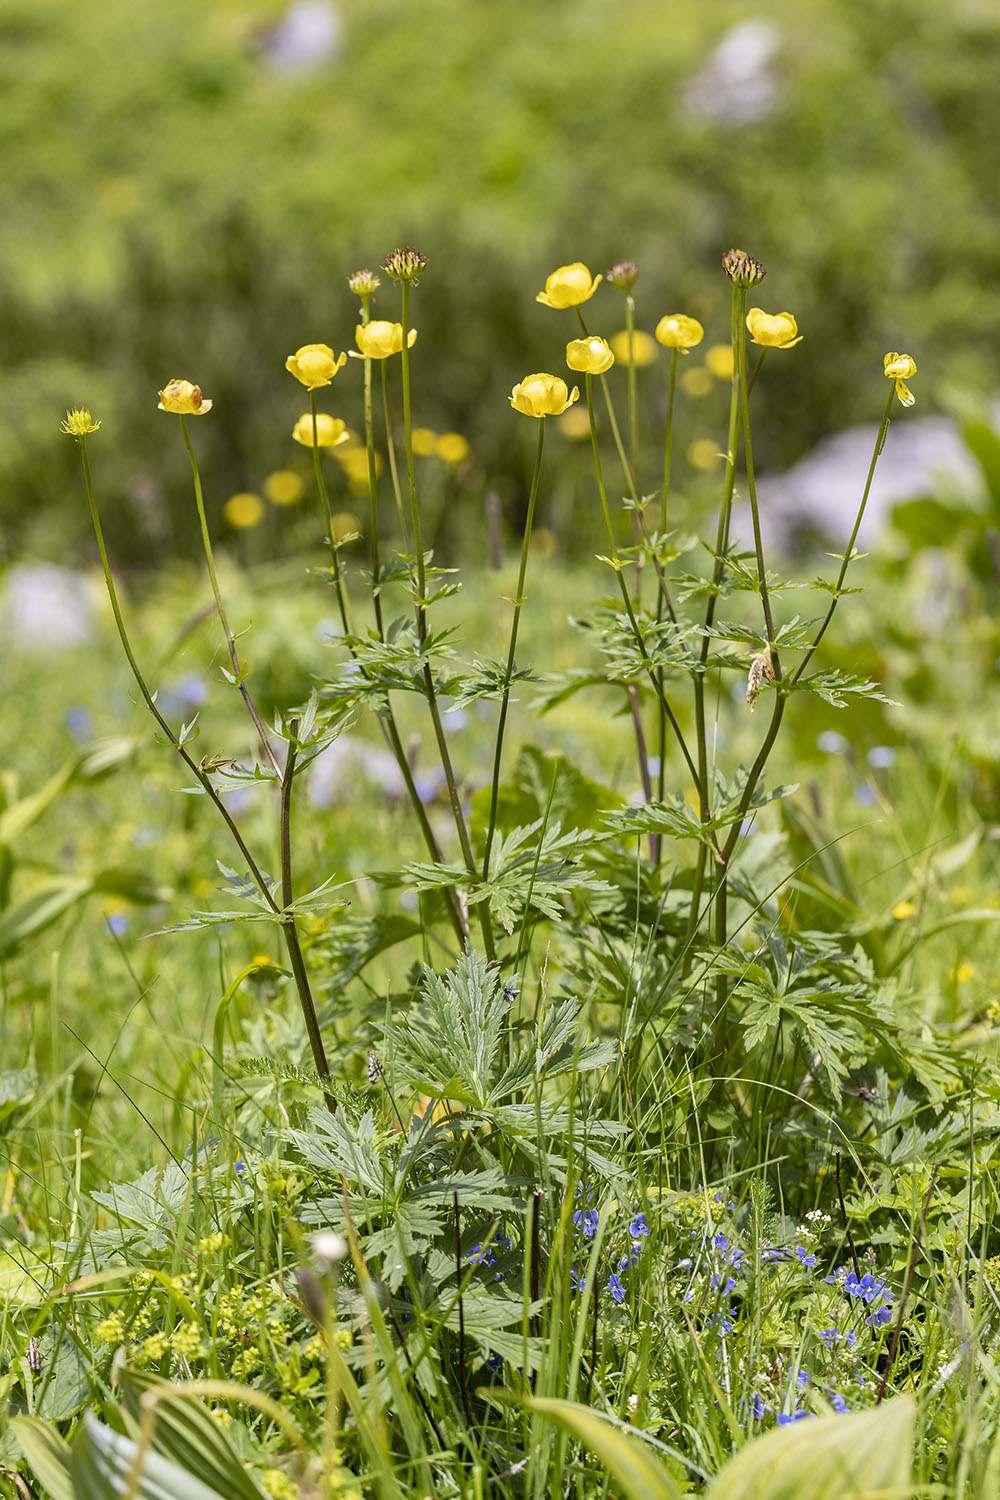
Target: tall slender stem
x=633, y=431
x=338, y=581
x=668, y=439
x=765, y=596
x=509, y=671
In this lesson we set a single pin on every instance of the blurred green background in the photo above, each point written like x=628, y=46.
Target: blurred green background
x=176, y=202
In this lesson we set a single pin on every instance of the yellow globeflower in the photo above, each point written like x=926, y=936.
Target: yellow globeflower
x=452, y=447
x=185, y=399
x=719, y=361
x=569, y=286
x=243, y=511
x=899, y=367
x=703, y=453
x=591, y=356
x=78, y=422
x=643, y=347
x=543, y=395
x=315, y=365
x=283, y=487
x=696, y=382
x=678, y=331
x=330, y=431
x=773, y=330
x=423, y=441
x=379, y=340
x=575, y=424
x=903, y=909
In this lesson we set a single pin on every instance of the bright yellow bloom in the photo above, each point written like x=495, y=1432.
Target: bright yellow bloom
x=315, y=365
x=452, y=447
x=719, y=361
x=244, y=510
x=575, y=424
x=543, y=395
x=643, y=347
x=569, y=286
x=773, y=330
x=678, y=331
x=696, y=382
x=284, y=487
x=903, y=909
x=423, y=441
x=78, y=422
x=962, y=974
x=379, y=340
x=591, y=356
x=899, y=367
x=185, y=399
x=330, y=431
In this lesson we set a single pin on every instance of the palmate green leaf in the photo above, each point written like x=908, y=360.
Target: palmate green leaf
x=487, y=680
x=678, y=817
x=187, y=1434
x=102, y=1462
x=860, y=1456
x=835, y=687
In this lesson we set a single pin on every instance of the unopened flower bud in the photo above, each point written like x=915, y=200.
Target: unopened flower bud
x=742, y=269
x=183, y=398
x=363, y=283
x=405, y=264
x=78, y=423
x=622, y=274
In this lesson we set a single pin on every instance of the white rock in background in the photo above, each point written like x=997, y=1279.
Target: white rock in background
x=308, y=35
x=736, y=86
x=45, y=607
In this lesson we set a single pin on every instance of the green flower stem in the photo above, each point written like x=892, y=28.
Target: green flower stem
x=757, y=369
x=373, y=536
x=206, y=542
x=633, y=429
x=289, y=928
x=509, y=672
x=668, y=439
x=765, y=596
x=616, y=563
x=421, y=617
x=391, y=451
x=338, y=581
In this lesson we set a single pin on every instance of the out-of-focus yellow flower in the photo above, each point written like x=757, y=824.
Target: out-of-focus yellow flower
x=315, y=365
x=678, y=331
x=423, y=441
x=543, y=395
x=264, y=961
x=575, y=424
x=696, y=382
x=903, y=909
x=284, y=487
x=569, y=286
x=643, y=347
x=78, y=423
x=452, y=448
x=183, y=398
x=704, y=454
x=590, y=356
x=899, y=367
x=345, y=523
x=543, y=541
x=353, y=459
x=244, y=510
x=962, y=973
x=379, y=340
x=719, y=361
x=330, y=431
x=773, y=330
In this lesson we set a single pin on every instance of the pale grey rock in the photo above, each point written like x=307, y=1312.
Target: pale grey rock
x=46, y=608
x=737, y=85
x=308, y=35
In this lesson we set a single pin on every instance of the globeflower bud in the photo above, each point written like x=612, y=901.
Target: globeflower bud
x=78, y=423
x=542, y=396
x=622, y=275
x=315, y=365
x=330, y=431
x=742, y=269
x=591, y=356
x=363, y=283
x=405, y=264
x=379, y=340
x=185, y=399
x=678, y=331
x=569, y=286
x=773, y=330
x=899, y=367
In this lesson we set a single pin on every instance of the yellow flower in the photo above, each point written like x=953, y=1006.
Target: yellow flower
x=903, y=909
x=719, y=361
x=899, y=367
x=542, y=395
x=643, y=347
x=696, y=382
x=185, y=399
x=284, y=487
x=678, y=331
x=591, y=356
x=315, y=365
x=962, y=974
x=423, y=441
x=773, y=330
x=703, y=453
x=330, y=431
x=243, y=511
x=78, y=422
x=575, y=424
x=569, y=286
x=378, y=340
x=451, y=447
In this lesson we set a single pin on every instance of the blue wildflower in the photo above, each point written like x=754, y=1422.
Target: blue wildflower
x=587, y=1218
x=806, y=1259
x=577, y=1282
x=638, y=1227
x=879, y=1317
x=720, y=1242
x=802, y=1379
x=837, y=1402
x=792, y=1416
x=615, y=1288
